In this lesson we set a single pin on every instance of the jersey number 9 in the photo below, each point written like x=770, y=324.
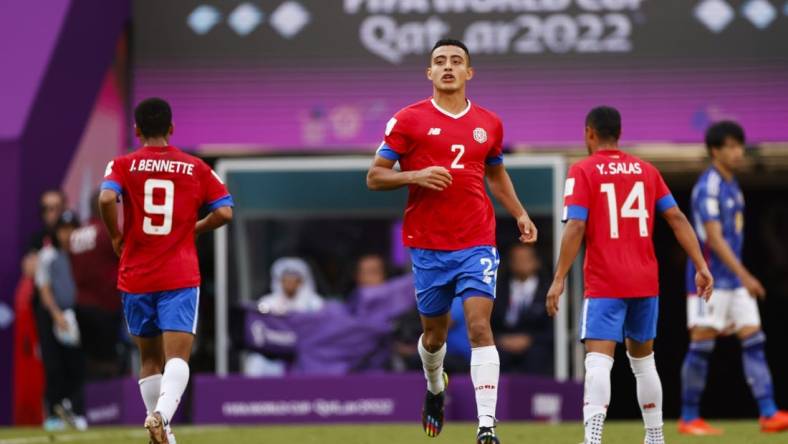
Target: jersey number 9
x=164, y=209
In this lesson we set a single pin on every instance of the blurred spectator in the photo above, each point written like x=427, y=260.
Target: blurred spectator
x=370, y=271
x=98, y=302
x=523, y=330
x=53, y=204
x=292, y=288
x=28, y=368
x=58, y=331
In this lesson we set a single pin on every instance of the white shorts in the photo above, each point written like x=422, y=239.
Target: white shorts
x=726, y=310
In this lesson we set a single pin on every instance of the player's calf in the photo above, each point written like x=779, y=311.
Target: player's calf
x=596, y=396
x=649, y=392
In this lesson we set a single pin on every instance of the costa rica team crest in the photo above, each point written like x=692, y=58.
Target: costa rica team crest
x=480, y=135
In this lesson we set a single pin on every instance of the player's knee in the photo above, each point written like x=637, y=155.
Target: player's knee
x=151, y=365
x=748, y=332
x=703, y=334
x=480, y=333
x=433, y=340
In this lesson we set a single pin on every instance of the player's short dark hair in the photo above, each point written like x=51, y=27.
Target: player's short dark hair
x=451, y=42
x=606, y=121
x=719, y=132
x=153, y=117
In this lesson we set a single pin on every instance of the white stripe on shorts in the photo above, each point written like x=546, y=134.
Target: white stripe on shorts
x=585, y=319
x=196, y=312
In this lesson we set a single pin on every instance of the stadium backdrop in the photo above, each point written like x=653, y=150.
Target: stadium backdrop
x=328, y=74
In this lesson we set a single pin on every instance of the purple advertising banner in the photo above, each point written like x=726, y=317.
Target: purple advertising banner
x=328, y=75
x=118, y=401
x=370, y=398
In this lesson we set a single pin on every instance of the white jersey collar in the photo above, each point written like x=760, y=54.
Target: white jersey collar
x=453, y=116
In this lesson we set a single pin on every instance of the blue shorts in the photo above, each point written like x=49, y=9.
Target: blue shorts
x=440, y=276
x=149, y=314
x=611, y=319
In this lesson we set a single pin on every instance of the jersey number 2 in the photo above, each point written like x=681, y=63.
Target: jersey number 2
x=164, y=209
x=636, y=197
x=461, y=151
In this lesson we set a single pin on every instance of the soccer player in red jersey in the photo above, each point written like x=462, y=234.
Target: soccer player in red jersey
x=610, y=199
x=446, y=147
x=163, y=190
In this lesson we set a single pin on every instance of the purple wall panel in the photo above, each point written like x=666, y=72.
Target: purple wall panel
x=28, y=33
x=51, y=93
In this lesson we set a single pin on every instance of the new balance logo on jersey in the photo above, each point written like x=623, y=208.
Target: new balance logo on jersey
x=434, y=132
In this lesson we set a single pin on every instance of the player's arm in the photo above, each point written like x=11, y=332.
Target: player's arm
x=108, y=207
x=111, y=189
x=383, y=177
x=503, y=190
x=720, y=247
x=570, y=246
x=217, y=200
x=215, y=219
x=689, y=242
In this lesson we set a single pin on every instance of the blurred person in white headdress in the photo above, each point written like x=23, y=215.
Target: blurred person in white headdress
x=292, y=291
x=292, y=288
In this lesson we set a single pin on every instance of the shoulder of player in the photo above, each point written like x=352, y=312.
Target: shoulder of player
x=413, y=110
x=487, y=113
x=709, y=182
x=584, y=164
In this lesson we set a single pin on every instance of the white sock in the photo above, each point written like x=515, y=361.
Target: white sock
x=173, y=384
x=596, y=395
x=649, y=390
x=593, y=429
x=150, y=388
x=433, y=367
x=485, y=370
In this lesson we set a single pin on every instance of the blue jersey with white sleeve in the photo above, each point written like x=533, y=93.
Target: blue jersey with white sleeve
x=717, y=199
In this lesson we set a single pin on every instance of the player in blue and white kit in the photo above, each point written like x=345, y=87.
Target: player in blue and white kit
x=718, y=216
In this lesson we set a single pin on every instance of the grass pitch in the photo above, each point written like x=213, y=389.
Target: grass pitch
x=737, y=432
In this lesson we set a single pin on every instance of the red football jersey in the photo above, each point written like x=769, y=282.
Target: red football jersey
x=617, y=195
x=163, y=189
x=424, y=135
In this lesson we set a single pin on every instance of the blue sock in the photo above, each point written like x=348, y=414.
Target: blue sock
x=693, y=377
x=757, y=372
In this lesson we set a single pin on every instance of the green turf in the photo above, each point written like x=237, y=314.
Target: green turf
x=744, y=432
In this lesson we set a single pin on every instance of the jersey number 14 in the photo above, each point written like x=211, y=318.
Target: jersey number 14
x=634, y=207
x=165, y=209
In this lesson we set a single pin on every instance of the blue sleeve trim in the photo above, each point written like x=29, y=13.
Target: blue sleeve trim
x=387, y=152
x=665, y=203
x=497, y=160
x=112, y=185
x=226, y=201
x=576, y=212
